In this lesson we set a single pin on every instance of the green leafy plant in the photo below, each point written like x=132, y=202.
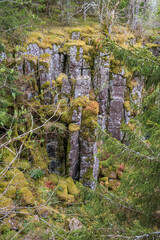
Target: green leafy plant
x=37, y=173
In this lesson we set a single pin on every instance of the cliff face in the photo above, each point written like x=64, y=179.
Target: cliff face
x=89, y=86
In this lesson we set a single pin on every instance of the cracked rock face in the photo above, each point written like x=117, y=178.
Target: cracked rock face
x=82, y=79
x=82, y=87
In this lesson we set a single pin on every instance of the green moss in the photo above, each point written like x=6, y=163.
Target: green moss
x=87, y=58
x=60, y=78
x=78, y=44
x=44, y=61
x=88, y=176
x=4, y=228
x=127, y=105
x=127, y=73
x=45, y=56
x=8, y=156
x=114, y=184
x=23, y=165
x=6, y=204
x=83, y=29
x=80, y=102
x=127, y=94
x=67, y=116
x=11, y=191
x=17, y=178
x=131, y=83
x=3, y=184
x=116, y=70
x=62, y=191
x=134, y=96
x=34, y=84
x=54, y=178
x=24, y=213
x=66, y=197
x=72, y=189
x=152, y=45
x=62, y=186
x=45, y=85
x=103, y=179
x=73, y=127
x=88, y=49
x=26, y=196
x=105, y=59
x=40, y=157
x=90, y=122
x=32, y=59
x=91, y=109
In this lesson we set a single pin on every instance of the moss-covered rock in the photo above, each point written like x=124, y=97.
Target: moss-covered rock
x=10, y=192
x=6, y=205
x=113, y=184
x=23, y=165
x=60, y=78
x=66, y=197
x=67, y=116
x=62, y=192
x=44, y=61
x=72, y=189
x=103, y=179
x=54, y=178
x=16, y=178
x=80, y=102
x=39, y=154
x=131, y=83
x=26, y=196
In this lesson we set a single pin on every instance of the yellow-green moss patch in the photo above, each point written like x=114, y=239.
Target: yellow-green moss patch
x=11, y=191
x=80, y=102
x=60, y=78
x=45, y=85
x=16, y=178
x=6, y=205
x=127, y=105
x=72, y=189
x=26, y=196
x=73, y=127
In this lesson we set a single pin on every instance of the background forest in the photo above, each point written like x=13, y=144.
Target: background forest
x=36, y=202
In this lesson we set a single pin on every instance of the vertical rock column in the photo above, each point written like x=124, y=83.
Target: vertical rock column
x=101, y=84
x=56, y=62
x=56, y=142
x=30, y=70
x=45, y=69
x=88, y=144
x=81, y=95
x=85, y=117
x=116, y=108
x=134, y=94
x=75, y=61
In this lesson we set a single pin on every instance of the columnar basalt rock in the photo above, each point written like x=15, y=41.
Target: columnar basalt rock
x=75, y=62
x=56, y=152
x=92, y=88
x=101, y=85
x=116, y=108
x=73, y=151
x=82, y=86
x=30, y=70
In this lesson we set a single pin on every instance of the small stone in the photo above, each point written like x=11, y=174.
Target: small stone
x=74, y=224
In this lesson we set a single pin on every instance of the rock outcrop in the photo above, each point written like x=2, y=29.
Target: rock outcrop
x=88, y=86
